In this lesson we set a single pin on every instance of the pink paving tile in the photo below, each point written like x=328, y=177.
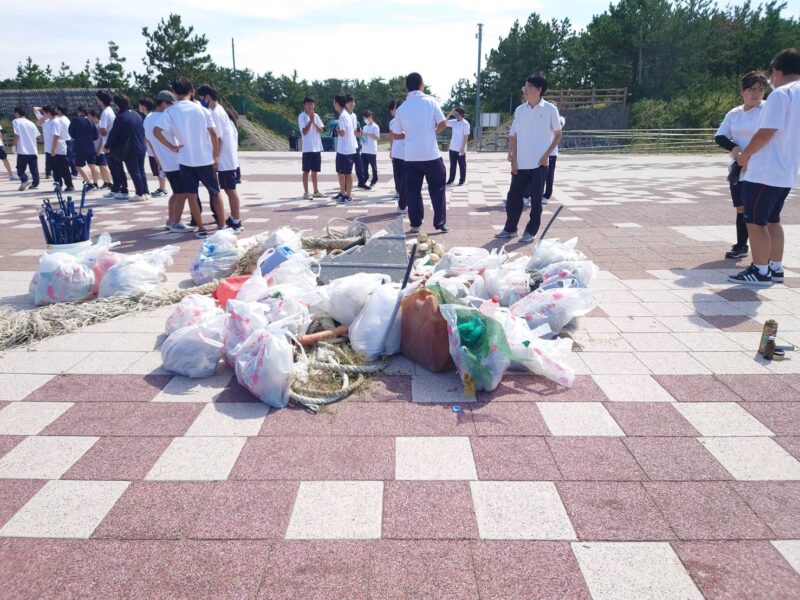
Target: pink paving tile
x=245, y=510
x=514, y=458
x=650, y=418
x=419, y=569
x=344, y=418
x=428, y=510
x=26, y=565
x=776, y=502
x=235, y=392
x=125, y=419
x=516, y=570
x=706, y=511
x=753, y=387
x=14, y=494
x=294, y=421
x=734, y=570
x=100, y=388
x=508, y=418
x=154, y=510
x=386, y=389
x=696, y=388
x=8, y=442
x=119, y=458
x=320, y=569
x=620, y=511
x=594, y=459
x=782, y=418
x=436, y=419
x=518, y=387
x=675, y=459
x=740, y=295
x=791, y=445
x=733, y=322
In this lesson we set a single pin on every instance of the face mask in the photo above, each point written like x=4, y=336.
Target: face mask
x=203, y=103
x=367, y=121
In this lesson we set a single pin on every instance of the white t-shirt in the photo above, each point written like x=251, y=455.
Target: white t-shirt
x=368, y=145
x=460, y=129
x=534, y=127
x=562, y=120
x=312, y=141
x=189, y=124
x=347, y=142
x=146, y=122
x=220, y=118
x=27, y=132
x=398, y=146
x=418, y=117
x=229, y=155
x=106, y=121
x=53, y=127
x=777, y=164
x=2, y=143
x=740, y=125
x=65, y=124
x=166, y=157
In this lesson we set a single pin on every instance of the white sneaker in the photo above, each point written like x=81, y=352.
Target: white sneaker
x=121, y=196
x=13, y=178
x=180, y=228
x=545, y=200
x=306, y=196
x=168, y=225
x=139, y=198
x=23, y=186
x=110, y=195
x=402, y=211
x=526, y=201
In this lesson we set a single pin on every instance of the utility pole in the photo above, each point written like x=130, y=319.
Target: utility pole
x=235, y=77
x=478, y=127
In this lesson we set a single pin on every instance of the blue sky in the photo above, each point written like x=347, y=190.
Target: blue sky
x=346, y=39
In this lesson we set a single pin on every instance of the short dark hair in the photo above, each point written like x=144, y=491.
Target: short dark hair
x=207, y=89
x=104, y=97
x=460, y=110
x=754, y=78
x=349, y=98
x=122, y=102
x=94, y=113
x=49, y=109
x=413, y=82
x=182, y=86
x=81, y=110
x=19, y=110
x=340, y=99
x=787, y=61
x=234, y=119
x=309, y=100
x=148, y=103
x=61, y=108
x=367, y=113
x=539, y=81
x=394, y=105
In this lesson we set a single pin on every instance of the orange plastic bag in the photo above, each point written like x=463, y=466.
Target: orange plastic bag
x=424, y=332
x=229, y=288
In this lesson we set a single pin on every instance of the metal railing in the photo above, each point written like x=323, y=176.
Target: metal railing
x=568, y=98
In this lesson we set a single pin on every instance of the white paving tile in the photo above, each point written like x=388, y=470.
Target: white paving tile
x=753, y=458
x=639, y=324
x=434, y=458
x=634, y=571
x=40, y=362
x=65, y=509
x=632, y=388
x=578, y=419
x=186, y=389
x=708, y=341
x=733, y=363
x=327, y=510
x=429, y=388
x=16, y=387
x=106, y=363
x=654, y=342
x=626, y=309
x=520, y=510
x=44, y=457
x=614, y=363
x=721, y=419
x=687, y=324
x=672, y=363
x=229, y=419
x=595, y=325
x=29, y=418
x=601, y=342
x=790, y=550
x=197, y=459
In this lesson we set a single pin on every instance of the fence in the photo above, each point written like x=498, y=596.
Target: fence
x=587, y=98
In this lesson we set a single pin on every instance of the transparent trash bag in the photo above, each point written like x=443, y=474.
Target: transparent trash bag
x=138, y=273
x=553, y=250
x=554, y=307
x=192, y=310
x=194, y=350
x=344, y=298
x=370, y=327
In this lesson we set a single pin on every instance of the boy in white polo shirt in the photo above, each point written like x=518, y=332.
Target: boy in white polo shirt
x=770, y=166
x=56, y=146
x=25, y=134
x=370, y=134
x=397, y=151
x=534, y=135
x=345, y=149
x=311, y=127
x=458, y=145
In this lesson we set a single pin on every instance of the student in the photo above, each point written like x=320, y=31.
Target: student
x=84, y=134
x=126, y=143
x=61, y=115
x=458, y=145
x=100, y=157
x=48, y=160
x=146, y=108
x=25, y=134
x=420, y=119
x=197, y=147
x=56, y=147
x=551, y=169
x=770, y=165
x=208, y=96
x=397, y=152
x=115, y=167
x=4, y=158
x=345, y=149
x=358, y=163
x=370, y=135
x=228, y=163
x=534, y=134
x=310, y=128
x=737, y=129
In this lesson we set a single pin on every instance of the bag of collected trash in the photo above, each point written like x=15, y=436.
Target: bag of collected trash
x=194, y=350
x=298, y=269
x=463, y=259
x=264, y=365
x=229, y=288
x=281, y=305
x=582, y=271
x=509, y=285
x=191, y=310
x=368, y=329
x=138, y=273
x=553, y=250
x=218, y=257
x=283, y=236
x=243, y=319
x=61, y=277
x=554, y=307
x=460, y=286
x=423, y=330
x=344, y=298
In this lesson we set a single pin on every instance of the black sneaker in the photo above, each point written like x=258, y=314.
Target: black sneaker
x=237, y=227
x=737, y=251
x=443, y=228
x=751, y=276
x=337, y=197
x=192, y=222
x=777, y=276
x=344, y=200
x=364, y=186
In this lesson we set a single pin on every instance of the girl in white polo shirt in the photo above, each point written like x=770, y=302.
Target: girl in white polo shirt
x=370, y=134
x=458, y=145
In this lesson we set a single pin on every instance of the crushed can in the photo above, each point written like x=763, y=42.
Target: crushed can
x=770, y=331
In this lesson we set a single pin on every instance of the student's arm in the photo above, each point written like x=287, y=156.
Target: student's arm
x=725, y=142
x=157, y=132
x=724, y=135
x=440, y=127
x=214, y=144
x=512, y=153
x=466, y=141
x=319, y=128
x=773, y=118
x=307, y=127
x=760, y=139
x=56, y=138
x=545, y=160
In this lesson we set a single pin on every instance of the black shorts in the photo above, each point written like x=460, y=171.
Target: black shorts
x=227, y=180
x=192, y=176
x=312, y=161
x=153, y=165
x=3, y=154
x=81, y=160
x=101, y=160
x=762, y=203
x=175, y=181
x=344, y=163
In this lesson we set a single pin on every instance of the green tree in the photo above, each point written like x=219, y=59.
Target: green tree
x=112, y=73
x=461, y=94
x=30, y=75
x=173, y=50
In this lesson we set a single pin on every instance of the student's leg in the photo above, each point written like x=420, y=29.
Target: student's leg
x=33, y=165
x=348, y=185
x=759, y=201
x=7, y=165
x=208, y=176
x=233, y=203
x=162, y=182
x=453, y=161
x=519, y=184
x=93, y=170
x=436, y=177
x=305, y=182
x=58, y=171
x=314, y=182
x=538, y=178
x=113, y=167
x=71, y=158
x=462, y=168
x=22, y=163
x=413, y=191
x=135, y=165
x=399, y=165
x=359, y=166
x=342, y=188
x=551, y=174
x=48, y=164
x=775, y=230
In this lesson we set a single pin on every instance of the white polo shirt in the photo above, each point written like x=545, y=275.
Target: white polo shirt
x=189, y=123
x=27, y=132
x=460, y=129
x=220, y=118
x=166, y=157
x=347, y=142
x=106, y=121
x=146, y=123
x=740, y=125
x=398, y=146
x=418, y=117
x=561, y=120
x=534, y=127
x=368, y=145
x=312, y=141
x=777, y=164
x=229, y=155
x=53, y=127
x=64, y=120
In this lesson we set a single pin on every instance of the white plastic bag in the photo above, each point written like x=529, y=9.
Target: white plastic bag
x=369, y=327
x=344, y=298
x=281, y=306
x=299, y=270
x=138, y=273
x=554, y=307
x=552, y=250
x=582, y=271
x=264, y=366
x=61, y=277
x=217, y=259
x=509, y=285
x=192, y=310
x=244, y=318
x=463, y=259
x=283, y=236
x=194, y=350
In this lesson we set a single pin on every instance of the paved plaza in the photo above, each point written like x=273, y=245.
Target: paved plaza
x=670, y=470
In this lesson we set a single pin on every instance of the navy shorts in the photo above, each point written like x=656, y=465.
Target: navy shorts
x=101, y=160
x=175, y=181
x=3, y=154
x=312, y=161
x=81, y=160
x=344, y=163
x=227, y=180
x=762, y=203
x=153, y=166
x=191, y=177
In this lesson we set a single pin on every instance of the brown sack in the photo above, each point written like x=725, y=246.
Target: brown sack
x=424, y=332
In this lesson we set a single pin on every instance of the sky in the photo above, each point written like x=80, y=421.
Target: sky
x=346, y=39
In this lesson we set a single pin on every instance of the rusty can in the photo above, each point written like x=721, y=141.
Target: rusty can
x=770, y=331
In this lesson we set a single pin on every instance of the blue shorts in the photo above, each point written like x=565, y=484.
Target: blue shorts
x=312, y=161
x=3, y=154
x=101, y=160
x=344, y=163
x=175, y=181
x=762, y=203
x=191, y=177
x=227, y=180
x=81, y=160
